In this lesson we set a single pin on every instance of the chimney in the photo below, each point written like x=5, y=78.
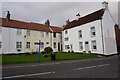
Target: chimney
x=8, y=16
x=105, y=5
x=47, y=23
x=67, y=21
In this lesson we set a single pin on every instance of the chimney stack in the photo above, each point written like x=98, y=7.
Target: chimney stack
x=47, y=23
x=67, y=21
x=8, y=16
x=105, y=5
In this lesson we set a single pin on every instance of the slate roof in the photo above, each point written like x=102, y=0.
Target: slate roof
x=86, y=19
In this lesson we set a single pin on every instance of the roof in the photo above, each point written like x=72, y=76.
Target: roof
x=24, y=25
x=86, y=19
x=56, y=29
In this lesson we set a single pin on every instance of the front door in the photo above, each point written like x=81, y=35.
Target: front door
x=58, y=46
x=86, y=46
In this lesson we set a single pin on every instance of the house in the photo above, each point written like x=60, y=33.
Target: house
x=93, y=32
x=117, y=31
x=19, y=37
x=56, y=38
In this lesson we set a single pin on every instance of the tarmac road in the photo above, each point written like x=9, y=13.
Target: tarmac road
x=106, y=67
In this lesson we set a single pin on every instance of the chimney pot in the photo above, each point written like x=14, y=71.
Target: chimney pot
x=105, y=5
x=47, y=23
x=8, y=16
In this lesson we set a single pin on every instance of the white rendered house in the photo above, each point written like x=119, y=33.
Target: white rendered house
x=93, y=32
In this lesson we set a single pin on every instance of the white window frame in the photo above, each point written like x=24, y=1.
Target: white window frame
x=94, y=43
x=66, y=32
x=18, y=45
x=80, y=46
x=27, y=45
x=19, y=31
x=80, y=34
x=93, y=31
x=66, y=39
x=67, y=47
x=28, y=32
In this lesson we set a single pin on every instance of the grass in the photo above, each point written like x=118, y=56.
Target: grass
x=14, y=59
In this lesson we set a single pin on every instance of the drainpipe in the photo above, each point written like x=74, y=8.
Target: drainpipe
x=51, y=37
x=102, y=36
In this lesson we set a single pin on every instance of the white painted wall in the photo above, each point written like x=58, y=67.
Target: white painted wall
x=74, y=39
x=1, y=39
x=109, y=34
x=10, y=37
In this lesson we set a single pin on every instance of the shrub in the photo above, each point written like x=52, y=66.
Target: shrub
x=43, y=52
x=48, y=50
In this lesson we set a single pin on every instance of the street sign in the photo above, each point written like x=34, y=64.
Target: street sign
x=39, y=43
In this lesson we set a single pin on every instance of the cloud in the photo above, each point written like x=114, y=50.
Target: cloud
x=56, y=12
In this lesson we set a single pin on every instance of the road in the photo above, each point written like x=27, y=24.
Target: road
x=106, y=67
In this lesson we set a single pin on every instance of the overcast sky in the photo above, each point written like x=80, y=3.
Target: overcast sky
x=56, y=12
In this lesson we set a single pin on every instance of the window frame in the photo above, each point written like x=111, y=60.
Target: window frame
x=0, y=44
x=92, y=29
x=81, y=46
x=18, y=45
x=28, y=45
x=80, y=34
x=54, y=45
x=94, y=43
x=28, y=32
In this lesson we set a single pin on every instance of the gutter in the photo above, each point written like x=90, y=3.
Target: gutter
x=102, y=36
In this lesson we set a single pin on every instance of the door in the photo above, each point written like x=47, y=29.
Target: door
x=71, y=47
x=58, y=46
x=86, y=46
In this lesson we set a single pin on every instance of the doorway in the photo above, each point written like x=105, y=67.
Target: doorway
x=58, y=46
x=86, y=46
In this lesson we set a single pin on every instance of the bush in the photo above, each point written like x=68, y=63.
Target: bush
x=43, y=52
x=48, y=50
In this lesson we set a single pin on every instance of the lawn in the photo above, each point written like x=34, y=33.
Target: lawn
x=13, y=59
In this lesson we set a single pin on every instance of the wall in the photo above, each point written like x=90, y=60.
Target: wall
x=58, y=39
x=35, y=37
x=9, y=39
x=1, y=39
x=74, y=39
x=109, y=34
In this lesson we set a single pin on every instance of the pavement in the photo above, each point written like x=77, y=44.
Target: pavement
x=104, y=67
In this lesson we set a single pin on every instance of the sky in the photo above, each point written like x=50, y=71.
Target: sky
x=56, y=12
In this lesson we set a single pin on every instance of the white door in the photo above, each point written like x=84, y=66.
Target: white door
x=86, y=46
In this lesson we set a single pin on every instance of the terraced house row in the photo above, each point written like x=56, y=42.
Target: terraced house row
x=19, y=37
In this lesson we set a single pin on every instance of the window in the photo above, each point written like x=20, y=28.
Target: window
x=0, y=30
x=18, y=45
x=94, y=46
x=47, y=44
x=66, y=32
x=42, y=34
x=19, y=32
x=28, y=45
x=54, y=44
x=54, y=35
x=66, y=39
x=81, y=46
x=28, y=32
x=67, y=47
x=47, y=34
x=0, y=45
x=80, y=33
x=93, y=31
